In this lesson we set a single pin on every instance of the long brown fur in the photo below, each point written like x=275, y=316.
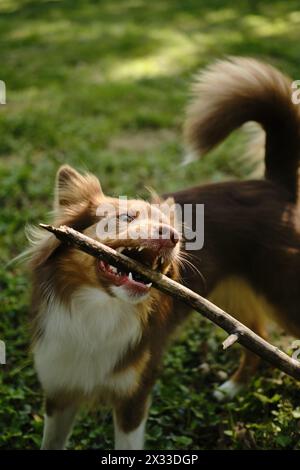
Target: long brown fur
x=252, y=228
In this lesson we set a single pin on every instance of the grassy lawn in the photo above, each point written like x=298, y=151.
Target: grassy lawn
x=102, y=86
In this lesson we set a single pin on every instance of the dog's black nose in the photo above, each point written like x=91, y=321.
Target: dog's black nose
x=168, y=235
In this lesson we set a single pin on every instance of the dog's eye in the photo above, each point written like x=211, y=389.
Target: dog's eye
x=125, y=218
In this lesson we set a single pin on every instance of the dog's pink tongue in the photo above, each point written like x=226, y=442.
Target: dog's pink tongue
x=135, y=286
x=125, y=280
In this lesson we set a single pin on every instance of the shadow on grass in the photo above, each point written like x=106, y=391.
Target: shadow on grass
x=48, y=41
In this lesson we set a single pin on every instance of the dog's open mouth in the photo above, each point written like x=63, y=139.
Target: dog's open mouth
x=150, y=257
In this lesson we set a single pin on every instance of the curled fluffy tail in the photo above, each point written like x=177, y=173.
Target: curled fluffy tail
x=234, y=91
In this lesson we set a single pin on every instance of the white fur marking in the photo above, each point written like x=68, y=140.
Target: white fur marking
x=57, y=429
x=81, y=346
x=227, y=390
x=133, y=440
x=123, y=294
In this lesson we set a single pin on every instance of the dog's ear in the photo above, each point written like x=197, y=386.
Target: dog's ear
x=169, y=208
x=156, y=199
x=170, y=201
x=167, y=204
x=72, y=188
x=154, y=196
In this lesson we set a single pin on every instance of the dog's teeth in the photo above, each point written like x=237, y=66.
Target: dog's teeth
x=120, y=249
x=140, y=248
x=162, y=260
x=113, y=269
x=149, y=285
x=155, y=264
x=130, y=277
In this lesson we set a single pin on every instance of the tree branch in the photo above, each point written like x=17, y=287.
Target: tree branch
x=236, y=330
x=230, y=340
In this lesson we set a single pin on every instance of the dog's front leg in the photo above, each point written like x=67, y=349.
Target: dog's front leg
x=129, y=423
x=57, y=427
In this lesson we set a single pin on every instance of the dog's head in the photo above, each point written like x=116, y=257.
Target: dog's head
x=144, y=231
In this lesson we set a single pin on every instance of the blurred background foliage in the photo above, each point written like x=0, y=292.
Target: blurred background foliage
x=102, y=85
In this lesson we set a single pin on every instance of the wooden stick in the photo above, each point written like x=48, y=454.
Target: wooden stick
x=230, y=340
x=241, y=333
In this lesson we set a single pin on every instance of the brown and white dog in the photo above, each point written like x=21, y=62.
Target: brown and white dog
x=99, y=335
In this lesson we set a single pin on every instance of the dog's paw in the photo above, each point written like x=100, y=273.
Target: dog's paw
x=227, y=390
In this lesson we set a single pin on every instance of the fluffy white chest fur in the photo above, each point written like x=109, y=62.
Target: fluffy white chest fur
x=82, y=344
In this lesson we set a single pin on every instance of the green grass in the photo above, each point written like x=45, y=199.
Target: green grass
x=102, y=86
